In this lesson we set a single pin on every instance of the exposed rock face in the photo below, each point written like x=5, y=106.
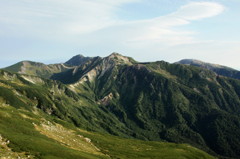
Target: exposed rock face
x=93, y=69
x=106, y=100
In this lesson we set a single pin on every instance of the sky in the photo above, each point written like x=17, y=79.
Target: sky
x=52, y=31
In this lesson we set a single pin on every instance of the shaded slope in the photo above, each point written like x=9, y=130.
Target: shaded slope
x=78, y=60
x=190, y=105
x=74, y=74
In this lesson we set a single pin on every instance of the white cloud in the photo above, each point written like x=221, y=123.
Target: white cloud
x=199, y=10
x=58, y=16
x=95, y=26
x=156, y=32
x=162, y=29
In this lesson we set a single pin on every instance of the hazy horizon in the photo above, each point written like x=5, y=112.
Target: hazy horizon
x=52, y=31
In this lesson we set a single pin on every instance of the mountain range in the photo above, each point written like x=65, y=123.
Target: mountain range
x=154, y=109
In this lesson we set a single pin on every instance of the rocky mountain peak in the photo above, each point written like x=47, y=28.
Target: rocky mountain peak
x=118, y=59
x=115, y=54
x=78, y=60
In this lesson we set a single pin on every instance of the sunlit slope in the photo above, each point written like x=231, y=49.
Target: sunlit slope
x=37, y=69
x=28, y=134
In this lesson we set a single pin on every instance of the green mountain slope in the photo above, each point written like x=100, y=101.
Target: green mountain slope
x=37, y=69
x=219, y=69
x=36, y=121
x=149, y=101
x=162, y=101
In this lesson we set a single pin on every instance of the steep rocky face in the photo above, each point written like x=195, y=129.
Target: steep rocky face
x=93, y=69
x=219, y=69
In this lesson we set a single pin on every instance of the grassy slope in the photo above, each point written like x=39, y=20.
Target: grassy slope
x=38, y=136
x=36, y=69
x=17, y=126
x=130, y=148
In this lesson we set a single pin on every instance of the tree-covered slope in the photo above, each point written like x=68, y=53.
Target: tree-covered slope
x=181, y=104
x=38, y=119
x=162, y=101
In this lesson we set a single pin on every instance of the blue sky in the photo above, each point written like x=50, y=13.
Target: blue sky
x=52, y=31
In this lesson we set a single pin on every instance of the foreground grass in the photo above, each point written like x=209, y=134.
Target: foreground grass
x=39, y=136
x=134, y=149
x=6, y=152
x=24, y=138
